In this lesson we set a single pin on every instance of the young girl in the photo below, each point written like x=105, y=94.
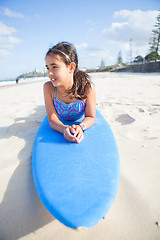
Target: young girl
x=69, y=94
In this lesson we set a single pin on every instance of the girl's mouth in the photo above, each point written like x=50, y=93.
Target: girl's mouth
x=53, y=80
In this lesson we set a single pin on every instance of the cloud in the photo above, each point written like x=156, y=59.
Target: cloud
x=92, y=56
x=4, y=53
x=12, y=14
x=9, y=13
x=81, y=46
x=98, y=52
x=7, y=41
x=136, y=25
x=5, y=30
x=92, y=51
x=91, y=30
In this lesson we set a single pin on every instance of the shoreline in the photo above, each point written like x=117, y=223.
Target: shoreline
x=37, y=79
x=25, y=81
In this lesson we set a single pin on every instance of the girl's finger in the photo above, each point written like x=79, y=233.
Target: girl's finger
x=80, y=137
x=69, y=136
x=74, y=131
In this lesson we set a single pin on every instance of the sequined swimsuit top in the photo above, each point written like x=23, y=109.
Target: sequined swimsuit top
x=71, y=111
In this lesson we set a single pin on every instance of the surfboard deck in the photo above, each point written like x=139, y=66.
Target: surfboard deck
x=77, y=183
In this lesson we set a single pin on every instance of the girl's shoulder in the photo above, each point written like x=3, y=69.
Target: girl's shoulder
x=91, y=93
x=48, y=84
x=49, y=88
x=91, y=88
x=92, y=85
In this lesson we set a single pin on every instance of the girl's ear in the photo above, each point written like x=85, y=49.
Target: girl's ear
x=72, y=66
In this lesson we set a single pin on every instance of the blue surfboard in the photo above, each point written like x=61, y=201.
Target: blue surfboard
x=77, y=183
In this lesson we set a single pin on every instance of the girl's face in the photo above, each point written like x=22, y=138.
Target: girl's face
x=58, y=72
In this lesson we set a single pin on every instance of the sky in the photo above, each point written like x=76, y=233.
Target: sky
x=99, y=29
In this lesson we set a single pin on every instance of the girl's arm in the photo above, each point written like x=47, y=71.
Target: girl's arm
x=89, y=119
x=54, y=121
x=90, y=110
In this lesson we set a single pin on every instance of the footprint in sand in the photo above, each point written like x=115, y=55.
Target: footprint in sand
x=137, y=134
x=142, y=134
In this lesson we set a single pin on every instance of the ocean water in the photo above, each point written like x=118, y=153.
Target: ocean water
x=9, y=82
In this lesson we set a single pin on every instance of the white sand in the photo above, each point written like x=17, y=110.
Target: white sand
x=131, y=105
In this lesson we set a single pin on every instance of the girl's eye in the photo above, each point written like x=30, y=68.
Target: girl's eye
x=53, y=67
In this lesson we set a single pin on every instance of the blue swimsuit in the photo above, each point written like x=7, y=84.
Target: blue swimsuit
x=71, y=111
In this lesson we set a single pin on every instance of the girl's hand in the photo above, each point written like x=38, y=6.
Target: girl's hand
x=77, y=132
x=73, y=133
x=68, y=135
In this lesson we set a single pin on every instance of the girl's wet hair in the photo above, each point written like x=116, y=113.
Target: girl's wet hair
x=68, y=54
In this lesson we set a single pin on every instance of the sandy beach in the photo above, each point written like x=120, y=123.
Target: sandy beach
x=131, y=105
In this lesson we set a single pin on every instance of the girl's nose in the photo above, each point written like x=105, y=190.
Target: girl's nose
x=50, y=73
